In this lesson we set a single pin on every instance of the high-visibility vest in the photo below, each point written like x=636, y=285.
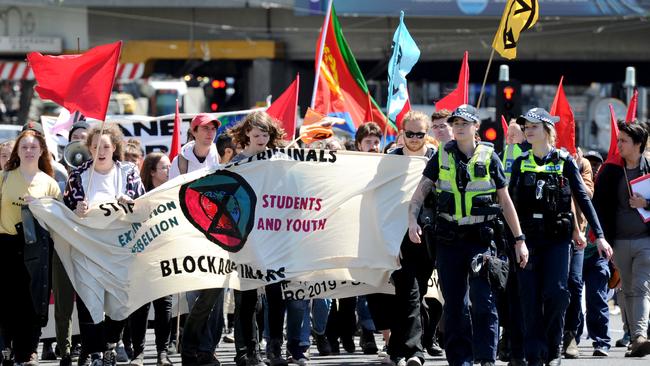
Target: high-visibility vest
x=476, y=185
x=542, y=191
x=511, y=152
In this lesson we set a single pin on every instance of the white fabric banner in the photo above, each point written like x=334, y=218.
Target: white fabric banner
x=294, y=214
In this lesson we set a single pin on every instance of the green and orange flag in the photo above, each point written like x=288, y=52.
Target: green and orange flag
x=342, y=90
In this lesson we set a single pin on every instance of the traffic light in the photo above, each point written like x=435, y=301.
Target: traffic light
x=508, y=100
x=215, y=93
x=491, y=132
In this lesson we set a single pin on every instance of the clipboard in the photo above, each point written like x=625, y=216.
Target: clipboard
x=641, y=185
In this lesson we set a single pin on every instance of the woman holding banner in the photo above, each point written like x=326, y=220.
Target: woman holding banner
x=155, y=171
x=542, y=183
x=26, y=175
x=256, y=133
x=103, y=178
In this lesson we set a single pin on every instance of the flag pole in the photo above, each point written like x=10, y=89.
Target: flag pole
x=321, y=48
x=487, y=70
x=392, y=77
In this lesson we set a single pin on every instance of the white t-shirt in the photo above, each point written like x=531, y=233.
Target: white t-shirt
x=104, y=187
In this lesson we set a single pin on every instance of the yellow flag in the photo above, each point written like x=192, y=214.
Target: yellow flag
x=518, y=16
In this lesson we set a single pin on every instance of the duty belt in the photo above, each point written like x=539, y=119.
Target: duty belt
x=468, y=220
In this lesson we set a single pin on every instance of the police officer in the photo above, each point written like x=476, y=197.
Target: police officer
x=515, y=145
x=468, y=177
x=542, y=183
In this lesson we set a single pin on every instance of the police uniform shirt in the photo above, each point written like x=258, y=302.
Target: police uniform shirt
x=496, y=168
x=572, y=173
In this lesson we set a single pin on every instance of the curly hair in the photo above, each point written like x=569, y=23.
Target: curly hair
x=117, y=139
x=44, y=160
x=263, y=122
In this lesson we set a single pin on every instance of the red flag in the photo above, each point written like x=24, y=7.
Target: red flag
x=566, y=127
x=631, y=109
x=402, y=113
x=504, y=125
x=341, y=89
x=613, y=156
x=176, y=137
x=284, y=108
x=460, y=95
x=78, y=82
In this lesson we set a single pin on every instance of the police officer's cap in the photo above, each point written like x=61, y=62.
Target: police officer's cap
x=538, y=115
x=467, y=112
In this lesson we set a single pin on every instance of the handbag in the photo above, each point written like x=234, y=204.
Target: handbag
x=614, y=276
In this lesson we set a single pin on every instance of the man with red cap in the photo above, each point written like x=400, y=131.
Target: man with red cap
x=200, y=334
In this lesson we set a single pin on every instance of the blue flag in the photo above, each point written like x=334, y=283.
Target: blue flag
x=405, y=55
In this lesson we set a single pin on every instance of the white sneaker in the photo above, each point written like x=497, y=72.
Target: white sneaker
x=413, y=361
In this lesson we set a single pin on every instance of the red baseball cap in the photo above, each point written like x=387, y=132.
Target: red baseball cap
x=202, y=119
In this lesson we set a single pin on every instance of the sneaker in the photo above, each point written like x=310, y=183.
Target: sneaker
x=96, y=359
x=434, y=350
x=75, y=352
x=570, y=346
x=323, y=345
x=48, y=352
x=172, y=349
x=83, y=360
x=625, y=341
x=138, y=360
x=414, y=361
x=517, y=362
x=254, y=360
x=7, y=357
x=274, y=354
x=110, y=357
x=348, y=344
x=66, y=360
x=367, y=342
x=207, y=359
x=600, y=352
x=163, y=359
x=229, y=338
x=120, y=352
x=640, y=347
x=32, y=361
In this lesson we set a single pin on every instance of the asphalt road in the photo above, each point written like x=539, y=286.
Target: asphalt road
x=226, y=353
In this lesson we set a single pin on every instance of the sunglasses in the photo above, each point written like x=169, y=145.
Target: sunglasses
x=411, y=134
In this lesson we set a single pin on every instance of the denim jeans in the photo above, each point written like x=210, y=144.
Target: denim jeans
x=201, y=326
x=320, y=310
x=595, y=273
x=365, y=319
x=573, y=317
x=296, y=312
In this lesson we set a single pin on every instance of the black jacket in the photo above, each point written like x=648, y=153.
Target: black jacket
x=605, y=197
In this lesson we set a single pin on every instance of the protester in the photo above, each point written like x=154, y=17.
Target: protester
x=368, y=137
x=542, y=183
x=155, y=171
x=617, y=209
x=112, y=180
x=226, y=148
x=133, y=152
x=257, y=132
x=28, y=174
x=596, y=161
x=442, y=133
x=515, y=145
x=573, y=318
x=468, y=177
x=5, y=152
x=411, y=280
x=201, y=332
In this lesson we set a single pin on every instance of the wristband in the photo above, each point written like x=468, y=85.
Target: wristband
x=521, y=237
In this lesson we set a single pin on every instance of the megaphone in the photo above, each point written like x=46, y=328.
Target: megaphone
x=75, y=154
